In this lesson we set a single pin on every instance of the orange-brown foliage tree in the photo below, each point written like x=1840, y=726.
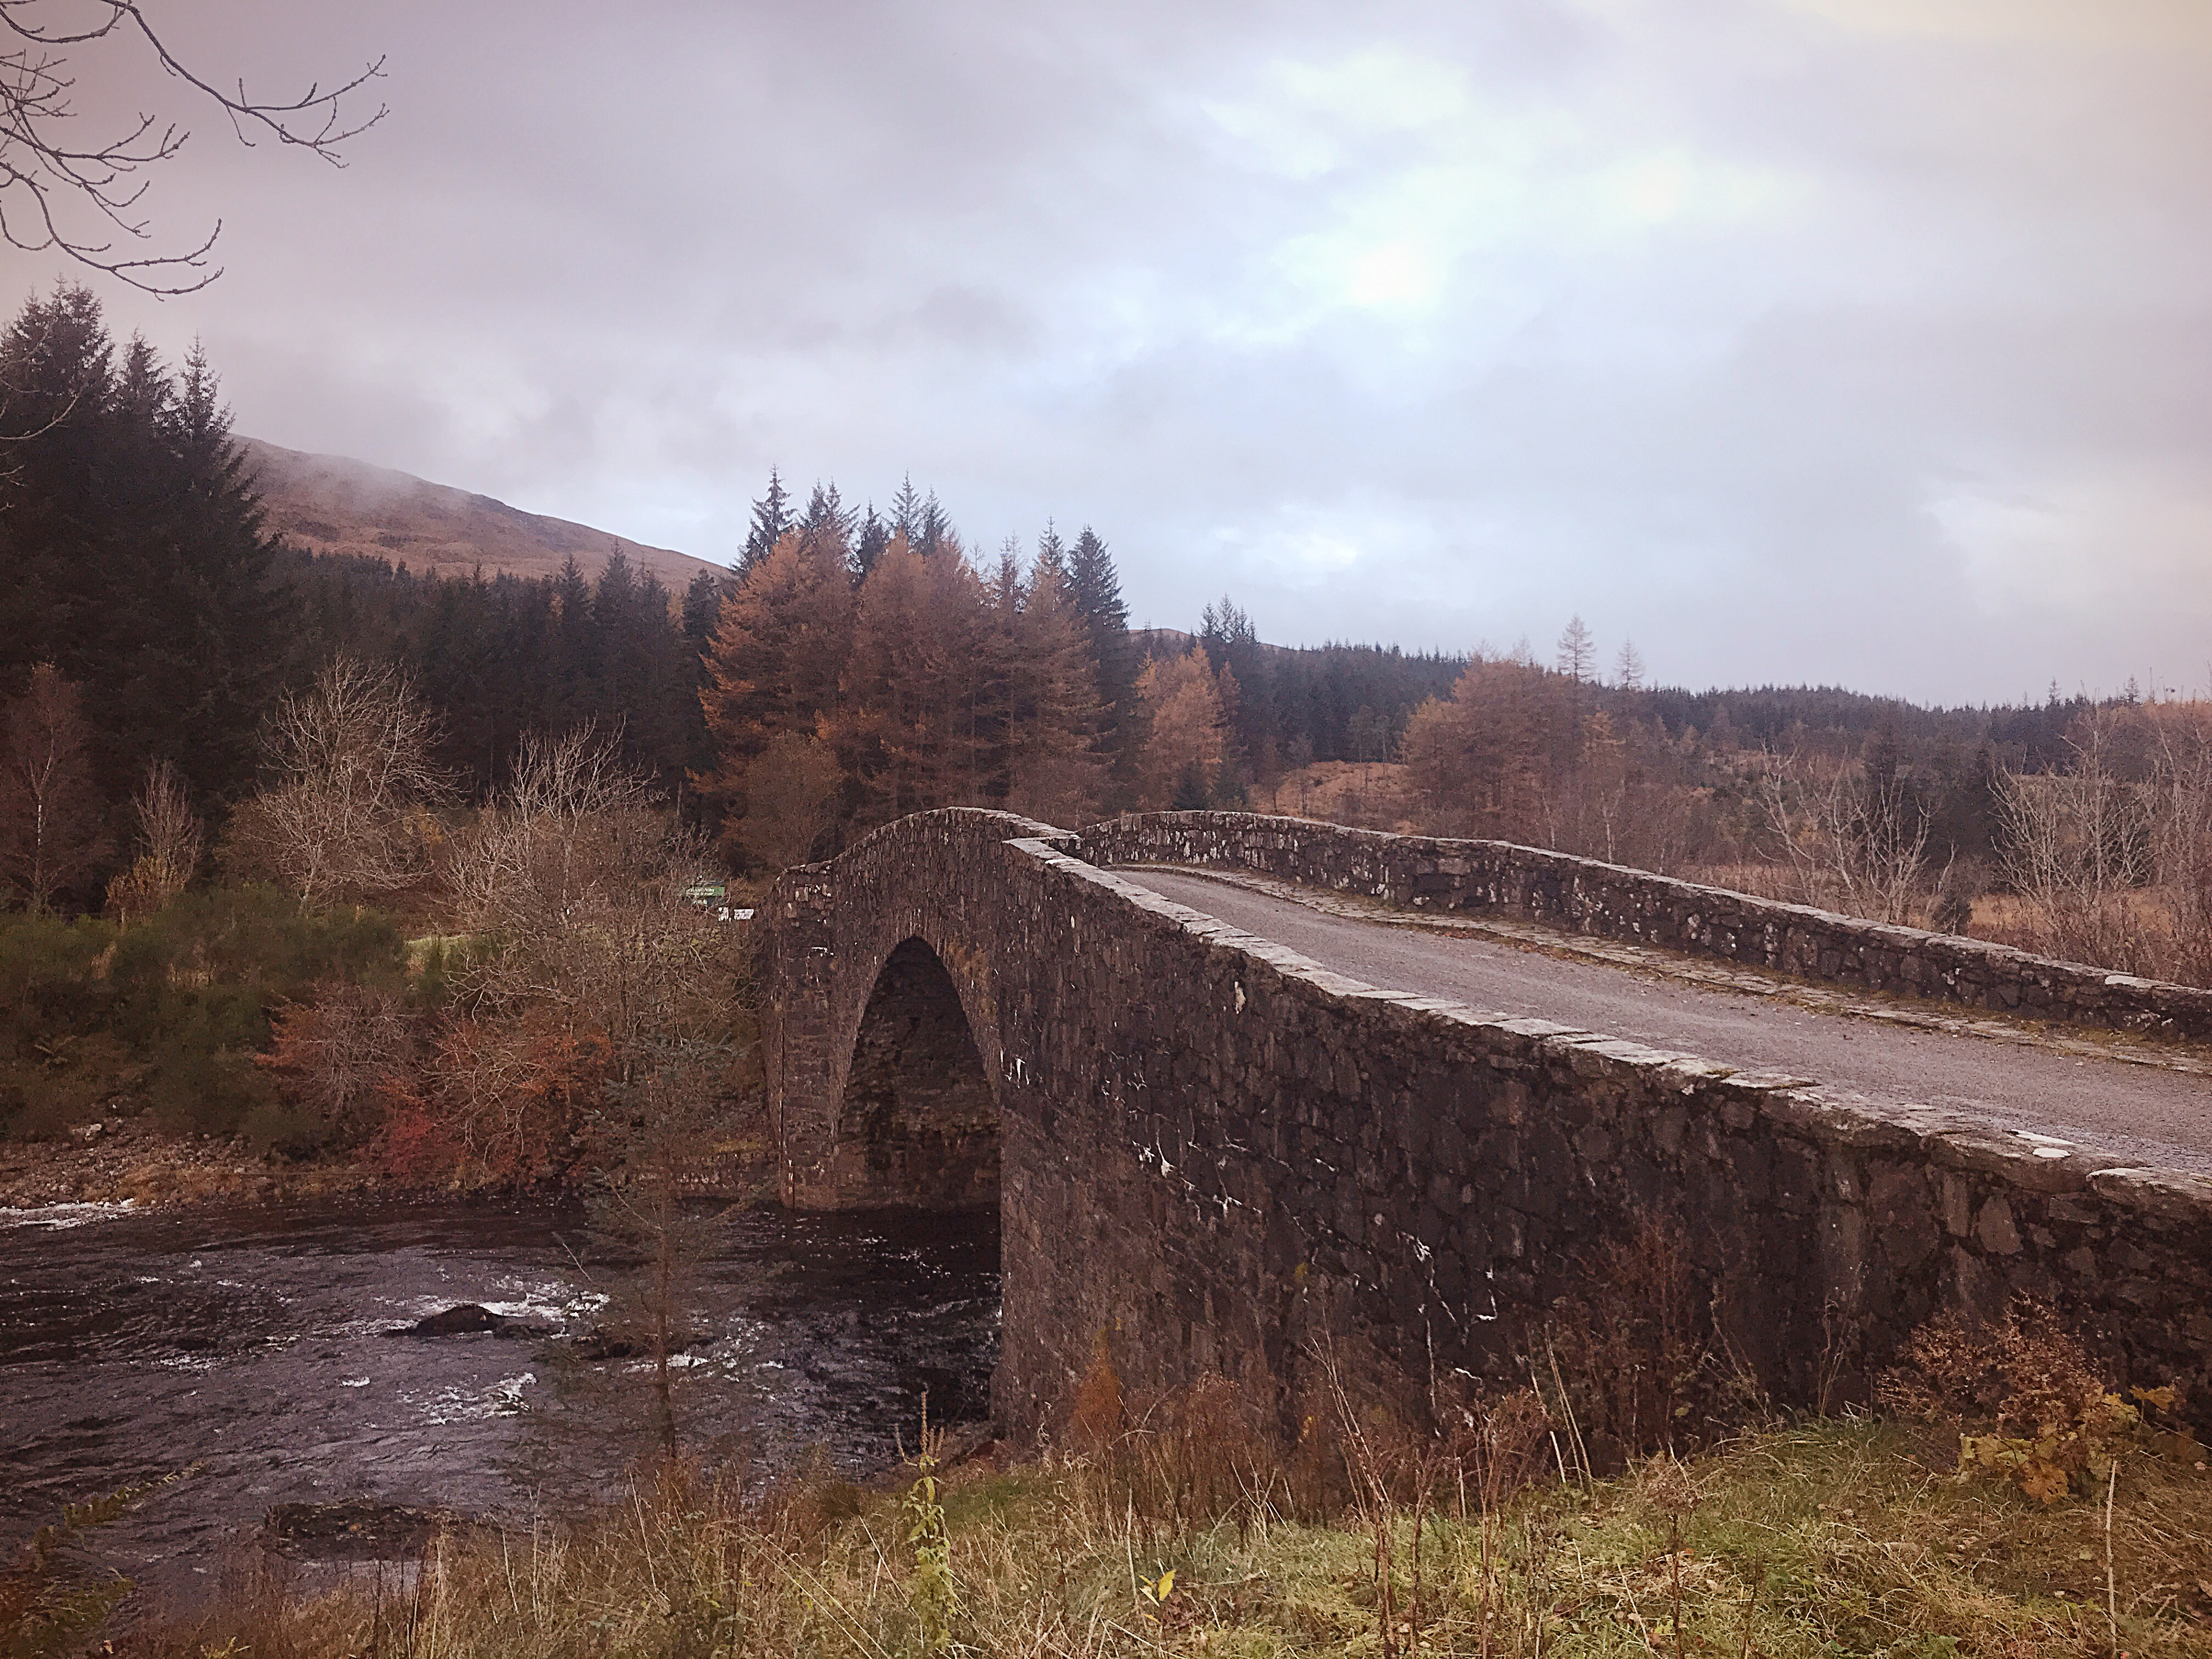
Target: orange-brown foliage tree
x=342, y=1056
x=914, y=725
x=1052, y=715
x=1186, y=714
x=1489, y=761
x=772, y=665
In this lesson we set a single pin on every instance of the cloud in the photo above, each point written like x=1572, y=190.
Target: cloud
x=1799, y=339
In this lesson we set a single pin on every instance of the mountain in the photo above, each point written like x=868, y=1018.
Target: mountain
x=328, y=504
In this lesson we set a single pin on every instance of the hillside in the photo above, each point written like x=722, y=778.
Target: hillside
x=330, y=504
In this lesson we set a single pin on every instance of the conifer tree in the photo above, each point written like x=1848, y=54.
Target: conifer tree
x=576, y=669
x=1095, y=588
x=133, y=548
x=1186, y=732
x=935, y=530
x=912, y=729
x=868, y=542
x=784, y=637
x=827, y=515
x=771, y=518
x=1051, y=552
x=1629, y=669
x=906, y=511
x=1053, y=768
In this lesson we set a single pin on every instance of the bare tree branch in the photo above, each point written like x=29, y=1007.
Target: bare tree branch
x=50, y=187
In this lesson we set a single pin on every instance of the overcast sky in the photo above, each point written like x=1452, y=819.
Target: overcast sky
x=1852, y=341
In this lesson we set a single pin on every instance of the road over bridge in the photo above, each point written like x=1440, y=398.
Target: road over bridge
x=1227, y=1132
x=2132, y=1101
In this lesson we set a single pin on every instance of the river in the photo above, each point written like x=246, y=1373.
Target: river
x=270, y=1346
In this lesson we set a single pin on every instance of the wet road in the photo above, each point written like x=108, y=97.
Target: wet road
x=2140, y=1113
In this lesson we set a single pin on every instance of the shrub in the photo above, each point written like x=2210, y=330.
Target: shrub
x=172, y=1010
x=1636, y=1359
x=2029, y=1381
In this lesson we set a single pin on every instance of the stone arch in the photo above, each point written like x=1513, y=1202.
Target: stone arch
x=918, y=1118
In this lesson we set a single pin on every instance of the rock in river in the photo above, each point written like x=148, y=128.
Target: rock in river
x=468, y=1319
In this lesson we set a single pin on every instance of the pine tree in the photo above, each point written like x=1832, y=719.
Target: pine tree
x=133, y=548
x=1232, y=645
x=1095, y=588
x=827, y=515
x=574, y=669
x=233, y=607
x=771, y=518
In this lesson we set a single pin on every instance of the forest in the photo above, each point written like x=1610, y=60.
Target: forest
x=332, y=854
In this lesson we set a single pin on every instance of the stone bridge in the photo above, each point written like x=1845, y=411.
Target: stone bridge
x=1212, y=1154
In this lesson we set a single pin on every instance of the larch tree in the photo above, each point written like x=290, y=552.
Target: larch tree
x=1577, y=652
x=1487, y=759
x=1628, y=670
x=1186, y=731
x=1055, y=771
x=773, y=666
x=912, y=727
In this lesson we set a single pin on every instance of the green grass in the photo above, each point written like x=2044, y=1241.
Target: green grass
x=1833, y=1538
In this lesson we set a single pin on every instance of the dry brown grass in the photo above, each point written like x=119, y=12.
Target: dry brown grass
x=1366, y=794
x=1830, y=1538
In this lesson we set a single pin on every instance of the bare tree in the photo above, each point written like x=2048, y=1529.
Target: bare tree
x=50, y=811
x=2183, y=844
x=576, y=875
x=1577, y=658
x=646, y=1216
x=169, y=842
x=81, y=198
x=1630, y=668
x=571, y=822
x=2076, y=845
x=1856, y=844
x=337, y=1054
x=350, y=812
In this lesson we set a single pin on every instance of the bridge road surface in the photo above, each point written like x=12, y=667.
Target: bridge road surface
x=2146, y=1114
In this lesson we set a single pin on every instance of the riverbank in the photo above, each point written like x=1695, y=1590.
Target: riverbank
x=1835, y=1538
x=120, y=1160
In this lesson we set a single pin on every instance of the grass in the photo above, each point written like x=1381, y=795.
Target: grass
x=1828, y=1539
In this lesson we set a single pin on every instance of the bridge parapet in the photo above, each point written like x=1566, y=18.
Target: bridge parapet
x=1216, y=1155
x=1610, y=901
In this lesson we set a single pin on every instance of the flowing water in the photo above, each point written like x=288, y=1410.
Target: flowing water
x=271, y=1347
